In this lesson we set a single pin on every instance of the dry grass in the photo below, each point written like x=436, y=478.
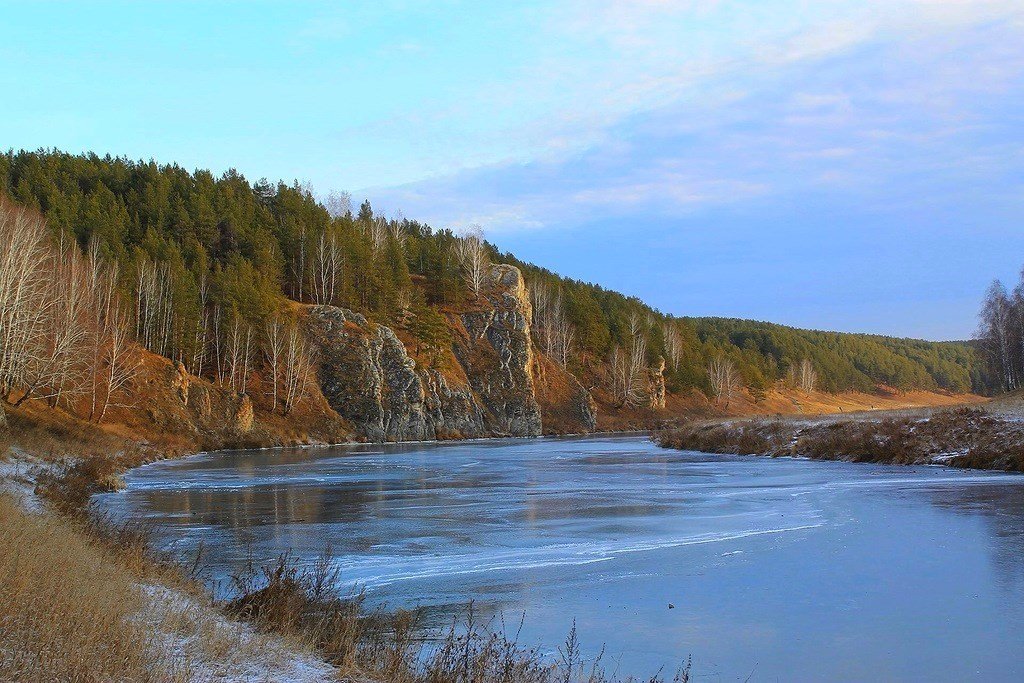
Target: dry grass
x=66, y=607
x=305, y=604
x=86, y=600
x=960, y=437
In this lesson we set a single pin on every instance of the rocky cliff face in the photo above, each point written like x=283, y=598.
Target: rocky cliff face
x=656, y=385
x=566, y=405
x=368, y=377
x=496, y=352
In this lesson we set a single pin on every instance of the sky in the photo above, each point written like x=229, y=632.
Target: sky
x=856, y=166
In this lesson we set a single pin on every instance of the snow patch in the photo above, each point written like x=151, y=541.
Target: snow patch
x=214, y=649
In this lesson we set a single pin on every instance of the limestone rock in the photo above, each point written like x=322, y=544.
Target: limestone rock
x=656, y=385
x=180, y=382
x=367, y=376
x=244, y=417
x=497, y=355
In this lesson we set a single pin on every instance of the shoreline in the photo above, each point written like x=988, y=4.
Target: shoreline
x=983, y=437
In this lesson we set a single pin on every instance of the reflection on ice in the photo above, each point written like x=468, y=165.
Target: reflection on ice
x=808, y=570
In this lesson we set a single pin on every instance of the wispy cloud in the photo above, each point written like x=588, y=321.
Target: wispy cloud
x=835, y=102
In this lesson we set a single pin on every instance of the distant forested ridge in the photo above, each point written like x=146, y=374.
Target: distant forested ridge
x=199, y=254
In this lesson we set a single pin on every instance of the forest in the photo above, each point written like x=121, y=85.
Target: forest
x=205, y=270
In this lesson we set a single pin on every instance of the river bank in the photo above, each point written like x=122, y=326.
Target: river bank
x=84, y=599
x=980, y=436
x=140, y=614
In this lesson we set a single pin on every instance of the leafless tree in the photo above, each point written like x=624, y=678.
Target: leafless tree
x=636, y=391
x=673, y=343
x=63, y=329
x=300, y=265
x=807, y=376
x=114, y=361
x=327, y=265
x=201, y=331
x=996, y=334
x=239, y=354
x=723, y=378
x=471, y=254
x=619, y=367
x=298, y=367
x=378, y=231
x=289, y=361
x=217, y=342
x=338, y=203
x=63, y=371
x=552, y=328
x=154, y=305
x=629, y=387
x=273, y=354
x=636, y=323
x=397, y=229
x=24, y=300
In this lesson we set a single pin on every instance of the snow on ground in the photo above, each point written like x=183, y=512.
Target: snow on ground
x=19, y=474
x=190, y=635
x=211, y=648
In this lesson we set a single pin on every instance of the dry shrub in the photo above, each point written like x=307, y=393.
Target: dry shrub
x=751, y=437
x=66, y=607
x=70, y=486
x=307, y=604
x=964, y=437
x=890, y=441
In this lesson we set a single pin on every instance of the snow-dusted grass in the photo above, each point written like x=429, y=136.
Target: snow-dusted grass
x=208, y=647
x=983, y=437
x=82, y=603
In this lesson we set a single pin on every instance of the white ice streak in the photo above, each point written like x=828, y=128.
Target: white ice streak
x=399, y=568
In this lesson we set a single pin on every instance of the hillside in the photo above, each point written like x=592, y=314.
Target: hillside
x=349, y=323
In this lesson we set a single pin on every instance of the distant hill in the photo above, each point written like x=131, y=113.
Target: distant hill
x=191, y=245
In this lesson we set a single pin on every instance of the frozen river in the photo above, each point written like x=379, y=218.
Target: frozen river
x=778, y=569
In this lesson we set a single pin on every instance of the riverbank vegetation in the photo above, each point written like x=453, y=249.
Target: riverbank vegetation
x=308, y=603
x=986, y=437
x=84, y=597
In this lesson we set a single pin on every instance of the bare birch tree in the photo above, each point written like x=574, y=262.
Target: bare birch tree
x=722, y=377
x=298, y=367
x=807, y=376
x=627, y=370
x=273, y=355
x=338, y=203
x=289, y=361
x=995, y=334
x=200, y=333
x=636, y=323
x=552, y=329
x=64, y=369
x=673, y=343
x=327, y=265
x=239, y=354
x=154, y=305
x=378, y=231
x=397, y=229
x=24, y=297
x=114, y=362
x=471, y=254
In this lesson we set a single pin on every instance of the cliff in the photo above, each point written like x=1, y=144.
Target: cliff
x=368, y=377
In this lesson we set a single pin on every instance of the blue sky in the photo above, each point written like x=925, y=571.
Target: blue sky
x=843, y=165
